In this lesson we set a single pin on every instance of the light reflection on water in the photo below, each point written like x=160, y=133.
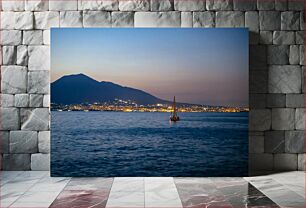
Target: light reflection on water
x=147, y=144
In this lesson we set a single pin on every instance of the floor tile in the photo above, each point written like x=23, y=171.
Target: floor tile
x=7, y=176
x=277, y=192
x=50, y=184
x=201, y=192
x=125, y=200
x=295, y=181
x=81, y=199
x=30, y=205
x=89, y=184
x=38, y=190
x=161, y=192
x=163, y=198
x=128, y=185
x=38, y=196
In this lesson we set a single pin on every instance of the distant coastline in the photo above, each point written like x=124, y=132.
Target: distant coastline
x=129, y=106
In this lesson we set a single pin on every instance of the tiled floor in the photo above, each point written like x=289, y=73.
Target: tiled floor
x=37, y=189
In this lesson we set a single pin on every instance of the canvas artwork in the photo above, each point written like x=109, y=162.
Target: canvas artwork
x=149, y=102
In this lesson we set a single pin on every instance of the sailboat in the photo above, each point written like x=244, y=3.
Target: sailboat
x=174, y=116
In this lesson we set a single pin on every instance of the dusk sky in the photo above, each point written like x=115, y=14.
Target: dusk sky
x=201, y=66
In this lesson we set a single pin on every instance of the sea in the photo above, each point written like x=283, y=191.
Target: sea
x=115, y=144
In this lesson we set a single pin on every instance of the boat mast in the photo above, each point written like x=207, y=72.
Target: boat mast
x=174, y=107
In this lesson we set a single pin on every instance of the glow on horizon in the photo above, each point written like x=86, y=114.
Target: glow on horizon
x=202, y=66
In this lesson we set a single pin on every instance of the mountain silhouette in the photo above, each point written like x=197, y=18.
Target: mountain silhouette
x=79, y=88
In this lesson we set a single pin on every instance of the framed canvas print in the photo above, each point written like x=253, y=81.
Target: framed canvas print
x=149, y=102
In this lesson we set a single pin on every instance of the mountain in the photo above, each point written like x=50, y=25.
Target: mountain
x=79, y=88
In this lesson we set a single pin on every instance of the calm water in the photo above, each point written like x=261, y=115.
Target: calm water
x=147, y=144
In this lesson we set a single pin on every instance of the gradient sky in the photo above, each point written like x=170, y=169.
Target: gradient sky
x=202, y=66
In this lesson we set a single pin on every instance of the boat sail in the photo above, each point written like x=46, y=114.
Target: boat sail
x=174, y=116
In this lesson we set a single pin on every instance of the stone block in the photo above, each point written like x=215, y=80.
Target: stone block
x=9, y=55
x=265, y=5
x=40, y=162
x=13, y=5
x=260, y=162
x=7, y=20
x=296, y=5
x=32, y=37
x=281, y=5
x=16, y=162
x=46, y=101
x=36, y=100
x=4, y=141
x=259, y=119
x=257, y=101
x=10, y=37
x=22, y=55
x=134, y=5
x=24, y=20
x=186, y=19
x=290, y=20
x=302, y=56
x=256, y=133
x=283, y=37
x=301, y=162
x=229, y=19
x=63, y=5
x=188, y=6
x=302, y=20
x=157, y=19
x=162, y=5
x=44, y=141
x=285, y=79
x=283, y=118
x=39, y=58
x=295, y=100
x=38, y=82
x=36, y=5
x=274, y=141
x=13, y=79
x=222, y=5
x=97, y=19
x=300, y=119
x=253, y=38
x=23, y=142
x=294, y=54
x=6, y=100
x=278, y=54
x=256, y=144
x=46, y=37
x=245, y=5
x=285, y=162
x=203, y=19
x=276, y=100
x=98, y=5
x=252, y=21
x=258, y=82
x=46, y=20
x=71, y=19
x=35, y=119
x=269, y=20
x=22, y=100
x=122, y=19
x=303, y=79
x=299, y=37
x=10, y=119
x=258, y=56
x=294, y=141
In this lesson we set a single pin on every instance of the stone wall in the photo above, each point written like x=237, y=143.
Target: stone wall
x=276, y=68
